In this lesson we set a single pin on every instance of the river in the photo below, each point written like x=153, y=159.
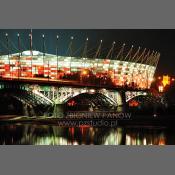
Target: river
x=36, y=134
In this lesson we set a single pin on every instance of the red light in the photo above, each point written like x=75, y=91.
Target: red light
x=133, y=103
x=71, y=103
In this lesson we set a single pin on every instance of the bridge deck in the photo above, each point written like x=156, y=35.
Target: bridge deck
x=45, y=81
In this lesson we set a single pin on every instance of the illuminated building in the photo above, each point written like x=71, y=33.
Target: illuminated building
x=160, y=88
x=166, y=80
x=135, y=68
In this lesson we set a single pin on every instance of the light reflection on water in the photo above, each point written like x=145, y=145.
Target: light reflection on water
x=54, y=135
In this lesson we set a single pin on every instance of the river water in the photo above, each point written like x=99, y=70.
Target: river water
x=34, y=134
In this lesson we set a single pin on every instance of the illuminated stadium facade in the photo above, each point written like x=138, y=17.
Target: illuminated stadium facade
x=135, y=67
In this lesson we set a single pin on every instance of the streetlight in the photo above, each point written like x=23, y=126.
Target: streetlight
x=31, y=51
x=70, y=47
x=57, y=54
x=19, y=48
x=7, y=43
x=43, y=36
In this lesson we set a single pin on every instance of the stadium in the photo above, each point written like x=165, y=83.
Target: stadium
x=131, y=67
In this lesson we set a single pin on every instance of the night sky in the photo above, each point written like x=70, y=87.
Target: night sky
x=162, y=41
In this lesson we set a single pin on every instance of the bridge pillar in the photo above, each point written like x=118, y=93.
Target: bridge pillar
x=58, y=111
x=124, y=103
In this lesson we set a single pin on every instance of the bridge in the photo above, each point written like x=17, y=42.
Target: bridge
x=42, y=99
x=44, y=81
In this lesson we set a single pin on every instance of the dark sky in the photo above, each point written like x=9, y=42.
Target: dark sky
x=162, y=41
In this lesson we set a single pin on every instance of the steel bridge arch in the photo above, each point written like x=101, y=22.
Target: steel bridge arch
x=96, y=93
x=98, y=100
x=30, y=98
x=132, y=95
x=63, y=94
x=147, y=99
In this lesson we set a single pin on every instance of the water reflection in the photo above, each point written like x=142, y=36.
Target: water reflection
x=54, y=135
